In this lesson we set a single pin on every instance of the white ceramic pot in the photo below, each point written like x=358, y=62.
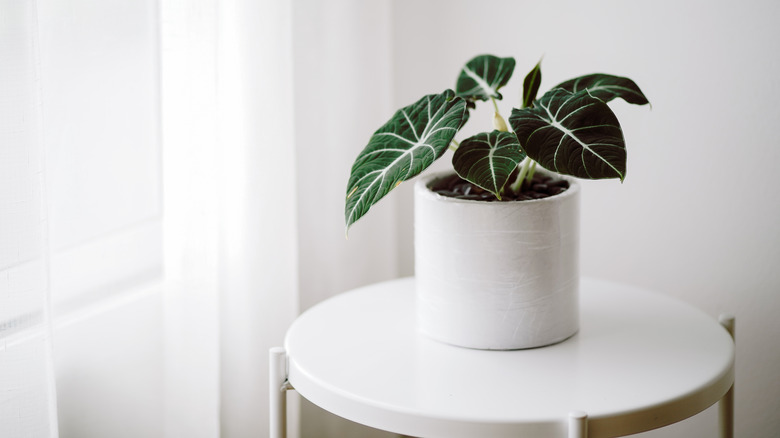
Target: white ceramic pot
x=497, y=275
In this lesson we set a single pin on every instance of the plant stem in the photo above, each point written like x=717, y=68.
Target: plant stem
x=531, y=172
x=454, y=145
x=495, y=105
x=518, y=184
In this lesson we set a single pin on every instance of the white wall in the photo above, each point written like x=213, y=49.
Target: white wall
x=343, y=79
x=696, y=215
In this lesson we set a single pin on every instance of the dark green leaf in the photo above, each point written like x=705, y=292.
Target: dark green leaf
x=606, y=87
x=573, y=134
x=483, y=76
x=487, y=159
x=531, y=85
x=407, y=144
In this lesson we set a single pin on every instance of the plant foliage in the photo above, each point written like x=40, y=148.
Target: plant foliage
x=487, y=159
x=573, y=134
x=531, y=85
x=483, y=76
x=569, y=130
x=403, y=147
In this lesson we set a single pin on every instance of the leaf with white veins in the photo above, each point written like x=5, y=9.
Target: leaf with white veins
x=483, y=76
x=403, y=147
x=487, y=159
x=573, y=134
x=606, y=87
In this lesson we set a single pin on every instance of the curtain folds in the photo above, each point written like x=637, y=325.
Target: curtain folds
x=230, y=212
x=259, y=243
x=265, y=105
x=191, y=219
x=27, y=391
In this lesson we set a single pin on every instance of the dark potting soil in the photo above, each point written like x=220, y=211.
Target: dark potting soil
x=540, y=186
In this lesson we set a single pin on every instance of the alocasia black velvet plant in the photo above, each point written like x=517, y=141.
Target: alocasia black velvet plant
x=569, y=130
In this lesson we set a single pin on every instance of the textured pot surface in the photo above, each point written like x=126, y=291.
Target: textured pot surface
x=497, y=275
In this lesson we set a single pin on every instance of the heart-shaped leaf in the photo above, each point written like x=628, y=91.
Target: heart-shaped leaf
x=572, y=133
x=403, y=147
x=606, y=87
x=487, y=159
x=483, y=76
x=531, y=85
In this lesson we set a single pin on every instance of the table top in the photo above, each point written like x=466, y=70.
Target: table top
x=640, y=361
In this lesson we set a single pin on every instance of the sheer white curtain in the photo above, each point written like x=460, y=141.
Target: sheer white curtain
x=265, y=106
x=230, y=227
x=27, y=392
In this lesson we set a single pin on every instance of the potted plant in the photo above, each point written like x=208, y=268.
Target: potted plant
x=497, y=241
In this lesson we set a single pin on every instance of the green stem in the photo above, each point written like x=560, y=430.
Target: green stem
x=521, y=176
x=531, y=172
x=454, y=145
x=495, y=105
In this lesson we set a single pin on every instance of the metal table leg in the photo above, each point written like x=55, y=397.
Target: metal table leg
x=726, y=404
x=277, y=389
x=578, y=424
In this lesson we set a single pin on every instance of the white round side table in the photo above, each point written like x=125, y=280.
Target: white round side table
x=640, y=361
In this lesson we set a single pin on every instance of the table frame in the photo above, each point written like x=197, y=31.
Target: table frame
x=577, y=421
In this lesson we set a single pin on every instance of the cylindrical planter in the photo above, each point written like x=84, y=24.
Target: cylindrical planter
x=497, y=275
